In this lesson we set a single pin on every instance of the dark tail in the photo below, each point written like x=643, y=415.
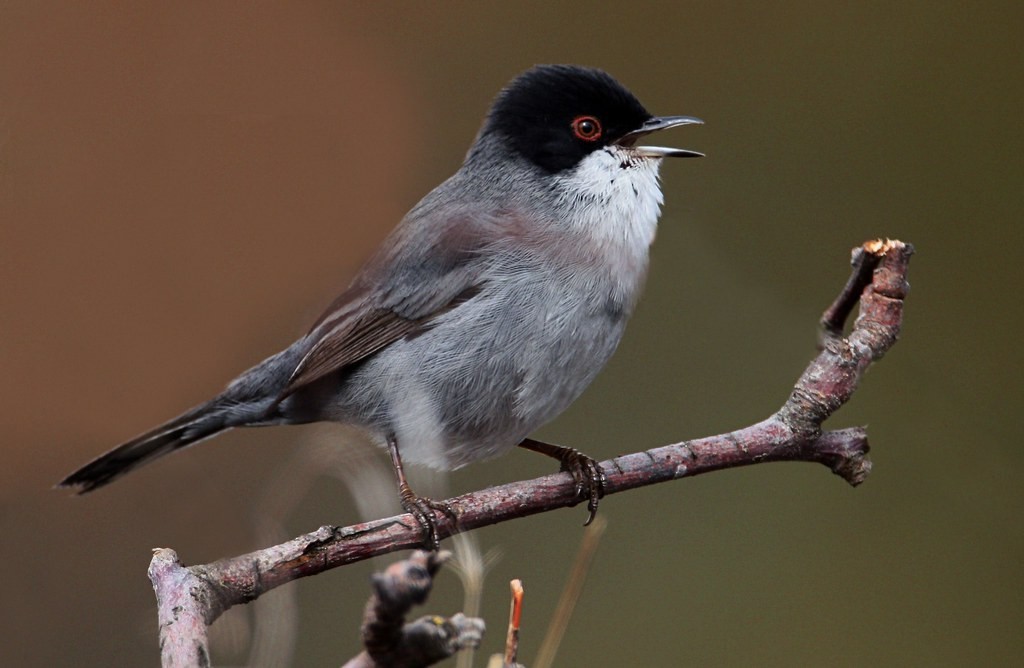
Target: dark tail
x=198, y=424
x=251, y=400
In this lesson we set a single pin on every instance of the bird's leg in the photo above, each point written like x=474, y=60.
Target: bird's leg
x=586, y=472
x=419, y=507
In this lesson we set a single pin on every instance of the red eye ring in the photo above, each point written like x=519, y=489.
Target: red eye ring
x=587, y=128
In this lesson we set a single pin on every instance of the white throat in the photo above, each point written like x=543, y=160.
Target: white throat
x=615, y=197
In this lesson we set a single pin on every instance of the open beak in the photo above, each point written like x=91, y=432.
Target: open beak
x=653, y=125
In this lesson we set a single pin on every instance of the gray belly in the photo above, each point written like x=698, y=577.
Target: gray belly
x=487, y=374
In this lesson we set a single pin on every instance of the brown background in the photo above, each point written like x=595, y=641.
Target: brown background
x=184, y=186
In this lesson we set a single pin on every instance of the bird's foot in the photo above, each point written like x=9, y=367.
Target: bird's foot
x=586, y=472
x=422, y=509
x=589, y=478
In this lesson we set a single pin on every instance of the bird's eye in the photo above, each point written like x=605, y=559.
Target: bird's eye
x=587, y=128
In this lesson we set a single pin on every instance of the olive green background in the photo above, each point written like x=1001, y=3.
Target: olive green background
x=184, y=186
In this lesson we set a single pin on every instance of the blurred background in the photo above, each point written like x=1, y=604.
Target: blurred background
x=184, y=186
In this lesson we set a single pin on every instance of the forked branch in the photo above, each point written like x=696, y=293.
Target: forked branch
x=191, y=598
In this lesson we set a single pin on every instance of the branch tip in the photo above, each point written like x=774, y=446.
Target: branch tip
x=389, y=641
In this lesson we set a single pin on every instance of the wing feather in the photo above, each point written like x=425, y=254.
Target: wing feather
x=397, y=295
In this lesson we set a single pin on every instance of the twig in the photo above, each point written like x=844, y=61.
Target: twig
x=515, y=614
x=793, y=433
x=389, y=641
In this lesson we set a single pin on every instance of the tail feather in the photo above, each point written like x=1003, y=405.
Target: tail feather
x=198, y=424
x=251, y=400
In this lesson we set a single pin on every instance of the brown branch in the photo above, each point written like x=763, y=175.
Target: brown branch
x=793, y=433
x=389, y=641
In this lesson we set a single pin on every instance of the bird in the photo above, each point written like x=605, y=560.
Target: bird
x=486, y=312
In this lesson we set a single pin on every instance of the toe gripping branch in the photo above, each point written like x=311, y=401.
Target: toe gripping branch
x=586, y=472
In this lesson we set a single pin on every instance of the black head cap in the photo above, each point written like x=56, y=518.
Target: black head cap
x=555, y=115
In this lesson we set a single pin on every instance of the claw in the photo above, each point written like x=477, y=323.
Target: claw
x=587, y=474
x=422, y=509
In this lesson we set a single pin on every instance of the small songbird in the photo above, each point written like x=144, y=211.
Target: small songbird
x=486, y=312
